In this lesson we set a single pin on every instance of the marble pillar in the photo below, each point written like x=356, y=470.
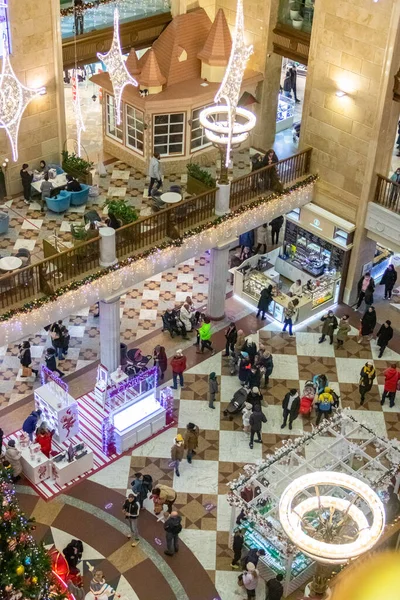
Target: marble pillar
x=222, y=199
x=108, y=252
x=110, y=353
x=219, y=266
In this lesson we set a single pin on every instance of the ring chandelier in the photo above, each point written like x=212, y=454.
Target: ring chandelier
x=293, y=522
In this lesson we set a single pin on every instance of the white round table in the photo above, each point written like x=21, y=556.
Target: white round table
x=10, y=263
x=171, y=197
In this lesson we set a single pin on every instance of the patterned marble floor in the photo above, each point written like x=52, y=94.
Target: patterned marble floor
x=223, y=446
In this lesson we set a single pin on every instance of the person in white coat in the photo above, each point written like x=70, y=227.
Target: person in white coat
x=155, y=172
x=185, y=316
x=261, y=238
x=14, y=458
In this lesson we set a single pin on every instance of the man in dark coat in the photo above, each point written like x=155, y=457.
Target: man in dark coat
x=172, y=528
x=257, y=418
x=264, y=301
x=365, y=290
x=275, y=588
x=253, y=556
x=276, y=226
x=291, y=407
x=330, y=323
x=384, y=336
x=389, y=279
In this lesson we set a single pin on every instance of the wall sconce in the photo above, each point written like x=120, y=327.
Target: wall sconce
x=340, y=93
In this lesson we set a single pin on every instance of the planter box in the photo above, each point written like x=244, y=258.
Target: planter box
x=196, y=187
x=85, y=178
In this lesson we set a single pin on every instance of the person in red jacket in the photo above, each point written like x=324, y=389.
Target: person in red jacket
x=392, y=376
x=178, y=364
x=44, y=438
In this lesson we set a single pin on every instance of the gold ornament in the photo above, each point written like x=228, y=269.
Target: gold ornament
x=20, y=570
x=34, y=579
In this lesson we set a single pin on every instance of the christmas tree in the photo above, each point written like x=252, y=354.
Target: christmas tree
x=25, y=567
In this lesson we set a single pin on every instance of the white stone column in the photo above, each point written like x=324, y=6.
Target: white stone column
x=222, y=199
x=219, y=266
x=110, y=334
x=108, y=252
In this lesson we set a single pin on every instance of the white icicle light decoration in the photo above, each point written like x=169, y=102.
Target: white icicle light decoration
x=290, y=515
x=80, y=125
x=114, y=61
x=230, y=133
x=14, y=98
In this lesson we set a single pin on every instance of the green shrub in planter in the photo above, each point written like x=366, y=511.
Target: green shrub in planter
x=77, y=167
x=199, y=180
x=121, y=210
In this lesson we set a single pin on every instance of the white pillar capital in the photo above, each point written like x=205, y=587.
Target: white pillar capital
x=108, y=251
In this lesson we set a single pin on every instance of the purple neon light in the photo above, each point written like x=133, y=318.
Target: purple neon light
x=130, y=383
x=46, y=374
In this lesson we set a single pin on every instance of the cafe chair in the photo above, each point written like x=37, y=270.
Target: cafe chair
x=176, y=188
x=156, y=202
x=58, y=168
x=59, y=203
x=81, y=197
x=25, y=255
x=4, y=222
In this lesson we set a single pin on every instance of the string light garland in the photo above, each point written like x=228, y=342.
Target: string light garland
x=14, y=98
x=67, y=12
x=228, y=225
x=116, y=68
x=231, y=132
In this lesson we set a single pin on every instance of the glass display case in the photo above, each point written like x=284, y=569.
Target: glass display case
x=256, y=281
x=285, y=113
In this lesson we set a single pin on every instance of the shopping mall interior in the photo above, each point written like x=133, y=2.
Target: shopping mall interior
x=199, y=302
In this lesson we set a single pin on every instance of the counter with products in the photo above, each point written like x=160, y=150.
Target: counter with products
x=35, y=465
x=72, y=463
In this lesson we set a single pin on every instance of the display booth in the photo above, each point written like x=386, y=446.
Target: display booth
x=342, y=445
x=316, y=251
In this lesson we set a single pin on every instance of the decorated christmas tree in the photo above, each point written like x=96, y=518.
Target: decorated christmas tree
x=25, y=567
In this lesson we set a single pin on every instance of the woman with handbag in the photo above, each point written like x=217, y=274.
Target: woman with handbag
x=25, y=359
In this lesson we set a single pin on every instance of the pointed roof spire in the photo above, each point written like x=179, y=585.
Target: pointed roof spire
x=151, y=75
x=132, y=63
x=217, y=49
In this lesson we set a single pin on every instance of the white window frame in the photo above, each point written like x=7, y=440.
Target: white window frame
x=205, y=141
x=116, y=127
x=131, y=130
x=168, y=143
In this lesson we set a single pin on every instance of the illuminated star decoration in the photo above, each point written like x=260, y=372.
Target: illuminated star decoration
x=14, y=98
x=76, y=103
x=119, y=75
x=233, y=132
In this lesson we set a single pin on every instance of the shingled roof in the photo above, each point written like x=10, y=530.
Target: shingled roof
x=132, y=63
x=150, y=74
x=217, y=49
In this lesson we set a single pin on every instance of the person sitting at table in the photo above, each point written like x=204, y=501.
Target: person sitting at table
x=296, y=289
x=72, y=184
x=44, y=437
x=112, y=221
x=43, y=168
x=45, y=187
x=26, y=179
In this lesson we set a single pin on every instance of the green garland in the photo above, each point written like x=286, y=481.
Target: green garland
x=74, y=285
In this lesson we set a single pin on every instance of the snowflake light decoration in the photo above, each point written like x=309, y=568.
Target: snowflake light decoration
x=76, y=103
x=14, y=98
x=119, y=75
x=230, y=132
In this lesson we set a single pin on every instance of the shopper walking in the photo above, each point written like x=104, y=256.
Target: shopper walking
x=291, y=407
x=261, y=239
x=274, y=588
x=389, y=279
x=367, y=376
x=212, y=389
x=367, y=324
x=177, y=451
x=160, y=360
x=162, y=494
x=365, y=290
x=324, y=405
x=231, y=336
x=131, y=508
x=250, y=580
x=56, y=339
x=235, y=356
x=246, y=412
x=191, y=441
x=178, y=365
x=290, y=313
x=244, y=368
x=205, y=336
x=140, y=488
x=276, y=226
x=26, y=180
x=391, y=385
x=25, y=359
x=384, y=336
x=155, y=173
x=172, y=527
x=65, y=340
x=14, y=458
x=328, y=328
x=264, y=302
x=237, y=547
x=343, y=331
x=257, y=418
x=30, y=423
x=50, y=360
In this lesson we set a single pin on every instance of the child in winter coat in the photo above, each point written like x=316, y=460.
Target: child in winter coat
x=248, y=409
x=177, y=450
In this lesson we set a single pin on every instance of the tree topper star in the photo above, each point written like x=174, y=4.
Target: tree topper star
x=14, y=98
x=119, y=75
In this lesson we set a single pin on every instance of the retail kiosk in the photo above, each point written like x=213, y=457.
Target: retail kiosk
x=316, y=250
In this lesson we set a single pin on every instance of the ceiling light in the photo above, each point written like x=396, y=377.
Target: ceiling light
x=340, y=93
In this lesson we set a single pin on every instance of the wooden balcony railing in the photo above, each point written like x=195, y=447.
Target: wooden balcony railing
x=45, y=277
x=262, y=181
x=387, y=194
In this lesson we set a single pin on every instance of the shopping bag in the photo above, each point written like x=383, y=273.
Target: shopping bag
x=26, y=371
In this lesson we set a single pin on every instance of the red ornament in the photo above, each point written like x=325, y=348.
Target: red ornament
x=7, y=516
x=58, y=564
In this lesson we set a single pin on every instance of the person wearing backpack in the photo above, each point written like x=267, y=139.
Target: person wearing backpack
x=131, y=510
x=324, y=404
x=172, y=527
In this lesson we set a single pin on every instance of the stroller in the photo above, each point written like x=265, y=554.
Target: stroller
x=137, y=362
x=307, y=399
x=237, y=403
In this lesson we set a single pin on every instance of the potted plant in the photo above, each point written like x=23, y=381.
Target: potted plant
x=199, y=180
x=77, y=167
x=121, y=210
